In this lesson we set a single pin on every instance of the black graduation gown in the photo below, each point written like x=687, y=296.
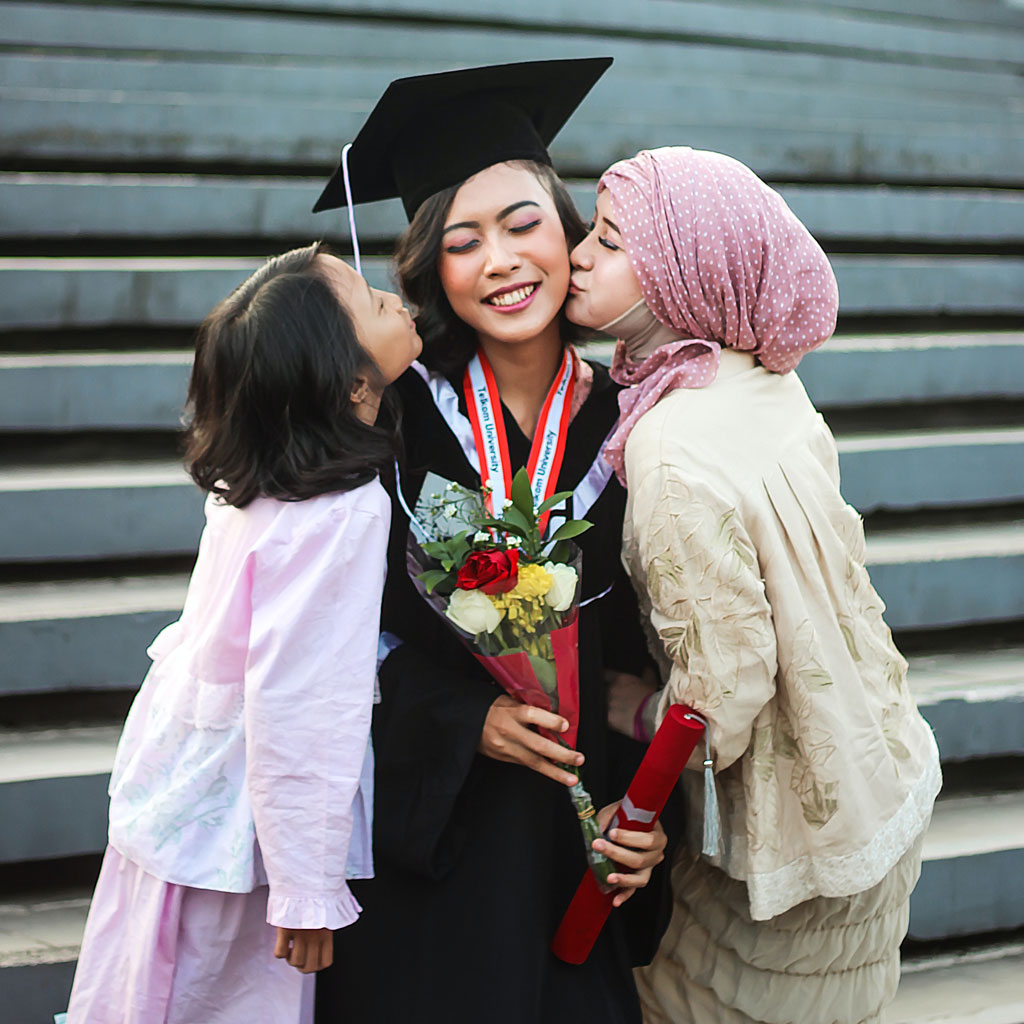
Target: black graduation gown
x=476, y=860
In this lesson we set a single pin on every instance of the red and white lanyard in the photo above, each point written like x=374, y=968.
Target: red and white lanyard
x=548, y=448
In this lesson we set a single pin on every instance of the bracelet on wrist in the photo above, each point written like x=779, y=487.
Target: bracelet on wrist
x=640, y=732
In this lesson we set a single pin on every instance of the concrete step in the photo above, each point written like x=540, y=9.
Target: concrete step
x=40, y=938
x=83, y=634
x=895, y=369
x=147, y=206
x=223, y=82
x=94, y=391
x=976, y=986
x=970, y=883
x=974, y=701
x=53, y=783
x=853, y=370
x=66, y=292
x=971, y=877
x=205, y=30
x=62, y=111
x=122, y=509
x=146, y=390
x=92, y=634
x=922, y=469
x=100, y=510
x=949, y=575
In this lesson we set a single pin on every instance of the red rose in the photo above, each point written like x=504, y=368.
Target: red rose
x=493, y=572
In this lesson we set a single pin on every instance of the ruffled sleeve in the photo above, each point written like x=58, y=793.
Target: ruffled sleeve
x=308, y=697
x=708, y=606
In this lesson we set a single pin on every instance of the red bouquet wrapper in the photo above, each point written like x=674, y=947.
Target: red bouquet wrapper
x=518, y=679
x=666, y=757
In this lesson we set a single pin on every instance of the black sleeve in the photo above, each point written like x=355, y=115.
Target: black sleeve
x=624, y=647
x=425, y=735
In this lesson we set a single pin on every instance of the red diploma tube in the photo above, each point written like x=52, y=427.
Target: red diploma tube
x=666, y=757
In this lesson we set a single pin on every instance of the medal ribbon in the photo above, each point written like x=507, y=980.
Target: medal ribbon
x=548, y=448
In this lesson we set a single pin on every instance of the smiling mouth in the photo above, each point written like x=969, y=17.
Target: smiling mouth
x=510, y=299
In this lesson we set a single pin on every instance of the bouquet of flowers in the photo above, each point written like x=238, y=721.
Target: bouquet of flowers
x=512, y=595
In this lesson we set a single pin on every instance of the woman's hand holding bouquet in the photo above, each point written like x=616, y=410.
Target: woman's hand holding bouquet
x=510, y=734
x=512, y=594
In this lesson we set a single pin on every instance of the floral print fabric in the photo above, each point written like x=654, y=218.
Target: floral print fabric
x=241, y=761
x=750, y=570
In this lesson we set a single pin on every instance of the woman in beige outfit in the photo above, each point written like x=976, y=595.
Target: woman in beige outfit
x=761, y=616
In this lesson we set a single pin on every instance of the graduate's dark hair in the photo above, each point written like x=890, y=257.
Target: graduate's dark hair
x=448, y=342
x=269, y=408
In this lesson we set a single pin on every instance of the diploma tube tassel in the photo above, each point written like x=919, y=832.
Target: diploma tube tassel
x=712, y=821
x=676, y=739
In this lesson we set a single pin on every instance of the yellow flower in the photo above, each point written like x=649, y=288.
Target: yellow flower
x=524, y=604
x=534, y=581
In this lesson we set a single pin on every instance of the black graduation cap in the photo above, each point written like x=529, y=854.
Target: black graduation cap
x=428, y=132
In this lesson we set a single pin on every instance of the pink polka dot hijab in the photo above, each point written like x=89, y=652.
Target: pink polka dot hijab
x=722, y=261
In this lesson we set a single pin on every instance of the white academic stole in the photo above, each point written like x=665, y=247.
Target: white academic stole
x=547, y=449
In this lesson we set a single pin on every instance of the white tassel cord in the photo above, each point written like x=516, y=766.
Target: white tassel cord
x=712, y=820
x=351, y=208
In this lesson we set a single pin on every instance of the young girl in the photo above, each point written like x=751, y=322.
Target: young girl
x=750, y=569
x=236, y=810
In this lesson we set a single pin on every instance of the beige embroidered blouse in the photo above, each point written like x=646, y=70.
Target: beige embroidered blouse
x=750, y=570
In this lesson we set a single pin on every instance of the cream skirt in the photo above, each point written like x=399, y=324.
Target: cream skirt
x=826, y=961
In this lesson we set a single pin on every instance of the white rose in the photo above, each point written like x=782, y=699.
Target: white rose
x=563, y=586
x=473, y=611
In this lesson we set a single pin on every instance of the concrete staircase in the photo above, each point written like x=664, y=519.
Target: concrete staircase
x=153, y=153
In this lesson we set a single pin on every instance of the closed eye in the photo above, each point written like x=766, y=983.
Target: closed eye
x=609, y=245
x=461, y=248
x=524, y=227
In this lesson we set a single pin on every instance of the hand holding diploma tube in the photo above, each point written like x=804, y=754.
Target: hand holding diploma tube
x=666, y=757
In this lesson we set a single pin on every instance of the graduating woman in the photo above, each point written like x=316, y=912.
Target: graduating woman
x=750, y=569
x=477, y=850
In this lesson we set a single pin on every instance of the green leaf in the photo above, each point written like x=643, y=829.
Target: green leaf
x=460, y=548
x=436, y=549
x=561, y=552
x=516, y=518
x=851, y=643
x=555, y=499
x=501, y=524
x=573, y=528
x=522, y=495
x=814, y=677
x=546, y=673
x=431, y=578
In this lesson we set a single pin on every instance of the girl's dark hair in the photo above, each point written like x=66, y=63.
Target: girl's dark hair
x=448, y=342
x=269, y=401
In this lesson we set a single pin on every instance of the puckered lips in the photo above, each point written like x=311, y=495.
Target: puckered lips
x=513, y=297
x=574, y=288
